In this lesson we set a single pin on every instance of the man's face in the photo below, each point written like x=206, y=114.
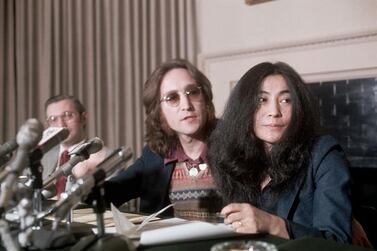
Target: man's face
x=64, y=114
x=183, y=106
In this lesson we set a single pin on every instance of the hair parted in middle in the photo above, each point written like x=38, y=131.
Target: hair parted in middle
x=159, y=136
x=239, y=159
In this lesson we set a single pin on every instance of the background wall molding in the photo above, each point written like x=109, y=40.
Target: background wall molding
x=346, y=56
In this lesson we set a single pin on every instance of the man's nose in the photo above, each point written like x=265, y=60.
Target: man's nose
x=61, y=122
x=185, y=102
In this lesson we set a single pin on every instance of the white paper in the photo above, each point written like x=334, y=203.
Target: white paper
x=125, y=227
x=165, y=231
x=122, y=224
x=189, y=231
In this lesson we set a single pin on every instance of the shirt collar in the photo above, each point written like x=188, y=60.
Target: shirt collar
x=176, y=154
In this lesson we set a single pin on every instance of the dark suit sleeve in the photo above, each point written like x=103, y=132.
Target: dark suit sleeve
x=332, y=210
x=126, y=185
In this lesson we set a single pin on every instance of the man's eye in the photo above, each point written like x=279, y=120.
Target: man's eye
x=52, y=118
x=68, y=115
x=193, y=92
x=172, y=97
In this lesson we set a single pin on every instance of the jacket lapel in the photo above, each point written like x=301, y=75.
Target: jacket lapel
x=289, y=196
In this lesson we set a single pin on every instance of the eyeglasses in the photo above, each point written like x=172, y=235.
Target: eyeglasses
x=173, y=98
x=66, y=116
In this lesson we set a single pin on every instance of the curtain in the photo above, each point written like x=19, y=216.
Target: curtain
x=101, y=51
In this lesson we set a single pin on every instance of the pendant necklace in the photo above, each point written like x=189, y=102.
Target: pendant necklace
x=194, y=169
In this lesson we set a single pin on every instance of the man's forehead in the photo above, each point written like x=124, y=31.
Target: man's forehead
x=61, y=106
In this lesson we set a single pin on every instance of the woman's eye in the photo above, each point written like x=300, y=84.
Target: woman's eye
x=261, y=100
x=285, y=100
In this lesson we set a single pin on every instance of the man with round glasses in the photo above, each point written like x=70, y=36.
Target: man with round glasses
x=173, y=169
x=67, y=111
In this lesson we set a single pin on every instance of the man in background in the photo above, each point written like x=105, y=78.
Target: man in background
x=67, y=111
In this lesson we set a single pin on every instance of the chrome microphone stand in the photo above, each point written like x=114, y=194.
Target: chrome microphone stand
x=68, y=185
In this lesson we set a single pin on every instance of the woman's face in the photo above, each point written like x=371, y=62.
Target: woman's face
x=274, y=112
x=182, y=103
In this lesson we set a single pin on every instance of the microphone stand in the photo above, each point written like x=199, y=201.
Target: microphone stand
x=7, y=239
x=102, y=240
x=68, y=186
x=99, y=208
x=37, y=182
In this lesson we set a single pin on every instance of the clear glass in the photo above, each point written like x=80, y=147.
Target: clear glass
x=244, y=246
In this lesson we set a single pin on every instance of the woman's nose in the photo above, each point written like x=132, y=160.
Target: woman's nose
x=274, y=109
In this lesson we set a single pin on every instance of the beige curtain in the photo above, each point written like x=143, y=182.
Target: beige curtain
x=101, y=51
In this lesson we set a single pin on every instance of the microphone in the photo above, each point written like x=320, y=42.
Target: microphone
x=78, y=154
x=27, y=138
x=6, y=151
x=4, y=159
x=8, y=147
x=52, y=136
x=84, y=185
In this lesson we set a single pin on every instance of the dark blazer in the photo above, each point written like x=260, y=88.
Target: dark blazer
x=319, y=203
x=147, y=178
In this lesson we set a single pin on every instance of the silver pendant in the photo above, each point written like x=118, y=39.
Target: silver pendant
x=193, y=171
x=203, y=166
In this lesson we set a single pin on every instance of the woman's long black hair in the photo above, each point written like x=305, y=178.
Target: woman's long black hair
x=238, y=159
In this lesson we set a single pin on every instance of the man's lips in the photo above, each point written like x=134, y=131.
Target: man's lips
x=188, y=117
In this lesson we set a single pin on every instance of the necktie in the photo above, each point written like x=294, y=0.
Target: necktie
x=60, y=182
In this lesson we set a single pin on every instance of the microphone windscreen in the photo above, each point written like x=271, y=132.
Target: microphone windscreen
x=52, y=136
x=8, y=147
x=29, y=134
x=96, y=145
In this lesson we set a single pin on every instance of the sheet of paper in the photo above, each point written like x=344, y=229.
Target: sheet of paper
x=86, y=215
x=164, y=231
x=187, y=231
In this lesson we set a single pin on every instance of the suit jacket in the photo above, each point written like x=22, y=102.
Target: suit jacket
x=50, y=160
x=319, y=203
x=147, y=178
x=49, y=163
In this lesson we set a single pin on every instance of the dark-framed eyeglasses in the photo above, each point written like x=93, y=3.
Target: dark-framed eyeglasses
x=65, y=116
x=173, y=99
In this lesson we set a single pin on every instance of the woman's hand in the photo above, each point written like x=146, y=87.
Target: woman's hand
x=246, y=218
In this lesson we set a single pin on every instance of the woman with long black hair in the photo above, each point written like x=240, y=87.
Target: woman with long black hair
x=276, y=172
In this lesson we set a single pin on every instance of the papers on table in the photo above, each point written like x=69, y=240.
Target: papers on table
x=168, y=230
x=187, y=231
x=86, y=215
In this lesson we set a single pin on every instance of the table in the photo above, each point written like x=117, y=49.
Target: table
x=306, y=243
x=111, y=241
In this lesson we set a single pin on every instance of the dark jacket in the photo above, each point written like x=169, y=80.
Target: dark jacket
x=319, y=203
x=148, y=178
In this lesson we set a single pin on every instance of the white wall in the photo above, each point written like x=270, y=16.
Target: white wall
x=322, y=40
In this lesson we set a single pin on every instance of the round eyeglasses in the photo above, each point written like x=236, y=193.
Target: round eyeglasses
x=194, y=94
x=65, y=116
